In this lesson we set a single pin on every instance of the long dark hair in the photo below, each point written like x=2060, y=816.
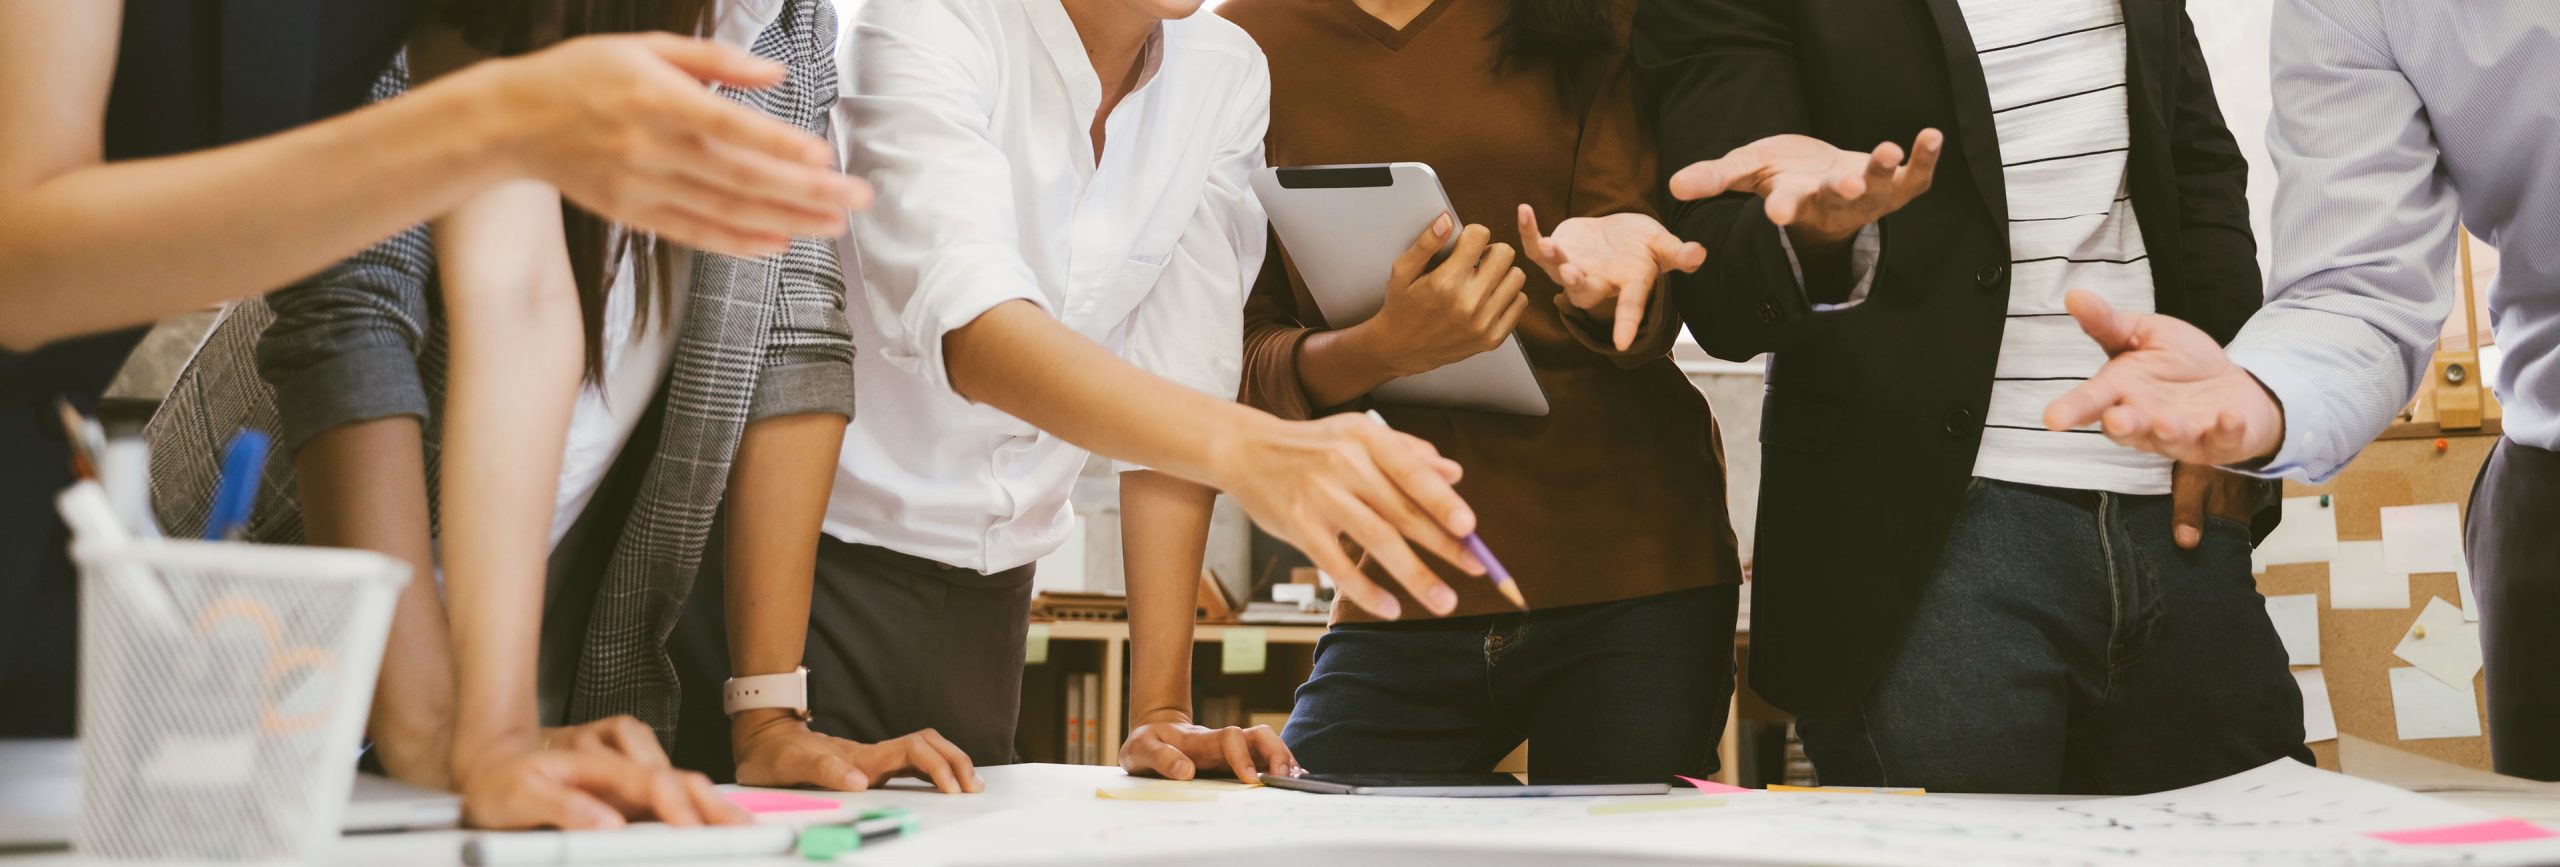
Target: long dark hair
x=597, y=247
x=1566, y=35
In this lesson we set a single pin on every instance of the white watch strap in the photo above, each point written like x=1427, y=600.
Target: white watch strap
x=789, y=691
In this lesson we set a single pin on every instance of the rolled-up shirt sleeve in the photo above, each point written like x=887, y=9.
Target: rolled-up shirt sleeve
x=808, y=354
x=938, y=248
x=345, y=343
x=1190, y=327
x=2363, y=236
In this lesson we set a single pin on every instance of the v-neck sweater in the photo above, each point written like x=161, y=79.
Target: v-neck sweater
x=1618, y=492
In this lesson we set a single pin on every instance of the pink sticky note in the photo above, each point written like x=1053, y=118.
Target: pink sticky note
x=1714, y=788
x=779, y=802
x=2496, y=831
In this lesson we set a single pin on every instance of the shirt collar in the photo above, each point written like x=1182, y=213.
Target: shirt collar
x=1057, y=35
x=737, y=23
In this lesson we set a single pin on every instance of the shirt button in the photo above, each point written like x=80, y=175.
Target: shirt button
x=1768, y=312
x=1959, y=421
x=1990, y=276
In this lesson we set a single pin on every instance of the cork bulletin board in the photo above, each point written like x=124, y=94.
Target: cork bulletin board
x=2404, y=469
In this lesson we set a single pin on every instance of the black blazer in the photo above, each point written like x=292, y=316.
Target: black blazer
x=1873, y=414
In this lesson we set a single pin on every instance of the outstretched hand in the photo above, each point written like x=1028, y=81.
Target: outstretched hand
x=2167, y=388
x=1823, y=194
x=1607, y=265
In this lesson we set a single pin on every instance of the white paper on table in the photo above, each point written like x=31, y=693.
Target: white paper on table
x=2426, y=708
x=2308, y=534
x=2319, y=720
x=2297, y=621
x=2422, y=539
x=2462, y=584
x=2282, y=813
x=2442, y=644
x=2357, y=579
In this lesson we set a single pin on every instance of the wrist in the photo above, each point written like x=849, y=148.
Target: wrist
x=1368, y=347
x=749, y=726
x=485, y=115
x=471, y=751
x=1162, y=716
x=1811, y=242
x=1232, y=446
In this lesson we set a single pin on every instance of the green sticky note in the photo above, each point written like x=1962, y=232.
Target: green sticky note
x=1244, y=650
x=1035, y=645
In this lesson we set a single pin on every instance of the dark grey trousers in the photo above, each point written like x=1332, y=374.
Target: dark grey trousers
x=896, y=644
x=2513, y=542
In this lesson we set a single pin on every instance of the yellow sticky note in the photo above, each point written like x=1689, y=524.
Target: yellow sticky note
x=1244, y=651
x=1035, y=645
x=1850, y=790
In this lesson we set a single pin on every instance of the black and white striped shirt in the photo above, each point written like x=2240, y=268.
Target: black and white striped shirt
x=2056, y=76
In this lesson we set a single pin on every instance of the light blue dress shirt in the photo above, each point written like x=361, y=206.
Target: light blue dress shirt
x=2393, y=119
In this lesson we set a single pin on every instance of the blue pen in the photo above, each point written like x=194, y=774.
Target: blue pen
x=242, y=465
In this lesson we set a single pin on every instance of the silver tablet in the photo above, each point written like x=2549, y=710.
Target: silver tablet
x=1453, y=785
x=1343, y=227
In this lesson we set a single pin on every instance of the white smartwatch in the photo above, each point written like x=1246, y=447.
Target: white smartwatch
x=787, y=691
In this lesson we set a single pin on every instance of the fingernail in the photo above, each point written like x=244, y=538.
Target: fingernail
x=855, y=782
x=2189, y=535
x=603, y=818
x=1440, y=227
x=1388, y=608
x=1464, y=521
x=1443, y=599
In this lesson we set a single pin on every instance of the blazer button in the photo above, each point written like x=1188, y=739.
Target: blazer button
x=1959, y=421
x=1768, y=312
x=1990, y=276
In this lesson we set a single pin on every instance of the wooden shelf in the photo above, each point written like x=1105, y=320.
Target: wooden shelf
x=1113, y=635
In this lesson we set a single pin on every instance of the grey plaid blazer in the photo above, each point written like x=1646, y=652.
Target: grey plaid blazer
x=365, y=339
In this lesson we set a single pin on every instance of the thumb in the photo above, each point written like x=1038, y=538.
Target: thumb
x=714, y=62
x=2187, y=488
x=1409, y=264
x=1708, y=178
x=2114, y=331
x=1672, y=254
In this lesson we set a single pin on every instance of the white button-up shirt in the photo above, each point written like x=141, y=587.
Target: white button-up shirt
x=973, y=119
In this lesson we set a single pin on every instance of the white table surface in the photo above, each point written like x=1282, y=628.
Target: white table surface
x=1034, y=784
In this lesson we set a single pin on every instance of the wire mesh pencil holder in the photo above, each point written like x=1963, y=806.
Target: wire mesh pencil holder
x=223, y=691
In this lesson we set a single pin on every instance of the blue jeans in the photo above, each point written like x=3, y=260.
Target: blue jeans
x=1631, y=691
x=2065, y=644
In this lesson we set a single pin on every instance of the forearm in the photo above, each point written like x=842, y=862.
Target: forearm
x=1018, y=359
x=776, y=500
x=1164, y=534
x=364, y=486
x=514, y=376
x=1339, y=366
x=232, y=221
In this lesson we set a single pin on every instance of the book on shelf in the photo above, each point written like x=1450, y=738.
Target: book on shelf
x=1075, y=720
x=1093, y=734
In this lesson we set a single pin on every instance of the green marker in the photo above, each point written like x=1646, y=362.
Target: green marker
x=825, y=842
